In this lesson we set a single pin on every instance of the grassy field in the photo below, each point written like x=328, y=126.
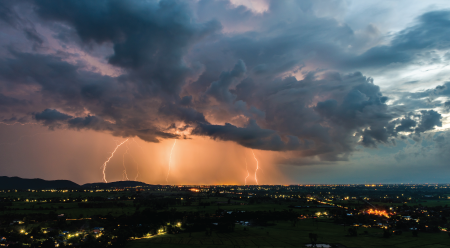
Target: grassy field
x=69, y=209
x=283, y=234
x=43, y=195
x=432, y=203
x=248, y=207
x=72, y=210
x=427, y=203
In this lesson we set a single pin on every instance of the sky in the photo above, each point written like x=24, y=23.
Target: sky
x=225, y=91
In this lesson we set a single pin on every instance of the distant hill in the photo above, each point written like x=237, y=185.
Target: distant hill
x=118, y=184
x=36, y=183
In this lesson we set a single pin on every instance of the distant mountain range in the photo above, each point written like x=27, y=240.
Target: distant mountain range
x=37, y=183
x=118, y=184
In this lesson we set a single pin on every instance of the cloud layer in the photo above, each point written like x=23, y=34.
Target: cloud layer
x=284, y=79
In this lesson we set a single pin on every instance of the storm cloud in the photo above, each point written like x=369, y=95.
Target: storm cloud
x=283, y=80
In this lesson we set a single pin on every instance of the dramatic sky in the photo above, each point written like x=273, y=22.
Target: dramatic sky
x=207, y=91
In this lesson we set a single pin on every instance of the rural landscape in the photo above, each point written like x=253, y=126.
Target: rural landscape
x=133, y=214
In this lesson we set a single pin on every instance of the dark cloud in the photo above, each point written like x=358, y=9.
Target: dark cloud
x=51, y=117
x=220, y=89
x=89, y=122
x=186, y=100
x=185, y=114
x=34, y=37
x=362, y=109
x=431, y=32
x=425, y=99
x=440, y=90
x=406, y=125
x=6, y=101
x=416, y=43
x=149, y=38
x=428, y=120
x=447, y=105
x=251, y=136
x=8, y=14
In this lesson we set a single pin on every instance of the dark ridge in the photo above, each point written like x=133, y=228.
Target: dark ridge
x=118, y=184
x=35, y=183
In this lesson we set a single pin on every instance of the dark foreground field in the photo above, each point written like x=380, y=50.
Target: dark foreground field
x=279, y=216
x=283, y=234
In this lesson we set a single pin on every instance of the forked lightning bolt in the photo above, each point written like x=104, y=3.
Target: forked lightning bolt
x=137, y=168
x=257, y=167
x=248, y=173
x=125, y=176
x=132, y=157
x=106, y=162
x=137, y=165
x=170, y=160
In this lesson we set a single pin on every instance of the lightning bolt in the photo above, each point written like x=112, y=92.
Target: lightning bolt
x=106, y=162
x=123, y=163
x=170, y=159
x=248, y=173
x=137, y=165
x=137, y=168
x=257, y=167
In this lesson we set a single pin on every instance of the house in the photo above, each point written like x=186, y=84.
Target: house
x=20, y=222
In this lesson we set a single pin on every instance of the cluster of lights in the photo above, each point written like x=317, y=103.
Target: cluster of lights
x=378, y=212
x=319, y=214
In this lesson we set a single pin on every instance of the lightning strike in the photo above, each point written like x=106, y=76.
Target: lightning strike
x=257, y=167
x=106, y=162
x=248, y=173
x=137, y=165
x=125, y=176
x=170, y=160
x=137, y=169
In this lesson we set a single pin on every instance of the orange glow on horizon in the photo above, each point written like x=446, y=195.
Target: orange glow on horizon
x=196, y=161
